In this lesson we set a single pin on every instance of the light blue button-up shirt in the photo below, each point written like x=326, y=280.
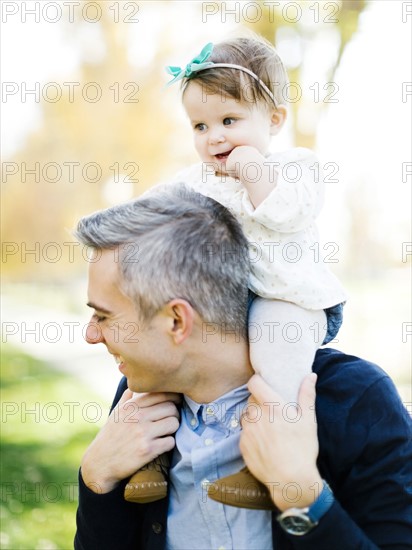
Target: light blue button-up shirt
x=207, y=448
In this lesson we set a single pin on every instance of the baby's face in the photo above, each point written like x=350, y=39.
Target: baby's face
x=221, y=123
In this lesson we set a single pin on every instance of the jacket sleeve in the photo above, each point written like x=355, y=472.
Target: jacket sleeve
x=373, y=482
x=107, y=521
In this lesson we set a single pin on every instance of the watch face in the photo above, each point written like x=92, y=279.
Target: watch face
x=299, y=521
x=297, y=524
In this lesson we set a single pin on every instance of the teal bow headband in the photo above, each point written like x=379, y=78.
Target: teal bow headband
x=200, y=63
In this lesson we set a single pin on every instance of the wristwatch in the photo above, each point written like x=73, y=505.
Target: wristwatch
x=299, y=521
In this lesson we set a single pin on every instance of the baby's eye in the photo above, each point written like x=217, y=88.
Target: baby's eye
x=99, y=318
x=228, y=121
x=201, y=127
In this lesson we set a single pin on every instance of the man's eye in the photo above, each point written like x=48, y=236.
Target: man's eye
x=201, y=127
x=228, y=121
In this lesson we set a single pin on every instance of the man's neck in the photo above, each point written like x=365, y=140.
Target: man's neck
x=221, y=366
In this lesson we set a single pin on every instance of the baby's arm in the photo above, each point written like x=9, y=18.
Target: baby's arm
x=254, y=172
x=297, y=191
x=283, y=339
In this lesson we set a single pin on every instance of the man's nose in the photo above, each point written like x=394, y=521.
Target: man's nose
x=94, y=333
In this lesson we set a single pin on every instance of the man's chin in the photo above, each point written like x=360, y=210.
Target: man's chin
x=134, y=386
x=137, y=386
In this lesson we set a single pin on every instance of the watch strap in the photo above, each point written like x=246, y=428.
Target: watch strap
x=322, y=504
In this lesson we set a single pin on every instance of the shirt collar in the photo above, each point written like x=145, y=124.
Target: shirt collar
x=226, y=410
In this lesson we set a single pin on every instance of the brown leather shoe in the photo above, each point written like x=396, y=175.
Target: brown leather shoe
x=242, y=490
x=149, y=483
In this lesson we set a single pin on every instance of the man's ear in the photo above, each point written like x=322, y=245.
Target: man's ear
x=278, y=118
x=181, y=317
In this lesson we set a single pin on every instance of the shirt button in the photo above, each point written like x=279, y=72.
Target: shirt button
x=157, y=527
x=234, y=423
x=208, y=442
x=193, y=422
x=210, y=410
x=205, y=483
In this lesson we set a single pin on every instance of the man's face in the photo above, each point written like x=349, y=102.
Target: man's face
x=139, y=349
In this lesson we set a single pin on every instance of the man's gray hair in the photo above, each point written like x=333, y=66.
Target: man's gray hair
x=176, y=243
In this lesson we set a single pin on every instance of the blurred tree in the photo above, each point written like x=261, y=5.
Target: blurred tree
x=86, y=151
x=305, y=25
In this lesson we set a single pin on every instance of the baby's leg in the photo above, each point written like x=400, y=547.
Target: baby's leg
x=283, y=341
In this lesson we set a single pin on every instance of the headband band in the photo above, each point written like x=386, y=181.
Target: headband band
x=200, y=63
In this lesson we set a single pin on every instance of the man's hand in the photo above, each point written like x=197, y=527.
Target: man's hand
x=280, y=445
x=138, y=429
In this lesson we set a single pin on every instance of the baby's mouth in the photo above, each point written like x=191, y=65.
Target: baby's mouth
x=223, y=156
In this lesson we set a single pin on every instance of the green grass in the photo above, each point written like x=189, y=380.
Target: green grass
x=48, y=419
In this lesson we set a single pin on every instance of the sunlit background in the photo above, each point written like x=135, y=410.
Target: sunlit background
x=87, y=122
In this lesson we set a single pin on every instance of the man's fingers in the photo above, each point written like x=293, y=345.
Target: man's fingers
x=263, y=394
x=164, y=444
x=159, y=411
x=131, y=412
x=163, y=427
x=175, y=397
x=149, y=399
x=158, y=397
x=127, y=394
x=261, y=391
x=307, y=392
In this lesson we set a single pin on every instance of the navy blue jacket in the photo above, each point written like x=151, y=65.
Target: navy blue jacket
x=365, y=441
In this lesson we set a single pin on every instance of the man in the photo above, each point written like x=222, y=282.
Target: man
x=168, y=285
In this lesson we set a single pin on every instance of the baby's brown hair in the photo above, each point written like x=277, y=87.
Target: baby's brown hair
x=254, y=53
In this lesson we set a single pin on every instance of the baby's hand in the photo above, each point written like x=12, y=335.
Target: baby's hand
x=238, y=158
x=258, y=180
